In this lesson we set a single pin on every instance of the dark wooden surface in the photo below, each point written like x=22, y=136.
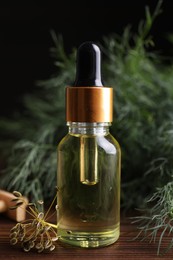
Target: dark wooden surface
x=125, y=248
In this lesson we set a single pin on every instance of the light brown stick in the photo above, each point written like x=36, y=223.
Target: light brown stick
x=18, y=214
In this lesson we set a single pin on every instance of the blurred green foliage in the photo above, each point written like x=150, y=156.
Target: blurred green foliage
x=143, y=111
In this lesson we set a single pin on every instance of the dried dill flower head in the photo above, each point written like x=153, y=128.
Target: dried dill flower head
x=35, y=233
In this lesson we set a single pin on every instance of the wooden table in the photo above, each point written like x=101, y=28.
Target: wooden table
x=125, y=248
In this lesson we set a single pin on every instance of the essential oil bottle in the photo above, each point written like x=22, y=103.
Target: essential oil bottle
x=89, y=159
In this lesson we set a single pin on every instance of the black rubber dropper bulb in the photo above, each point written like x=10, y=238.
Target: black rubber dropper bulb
x=88, y=67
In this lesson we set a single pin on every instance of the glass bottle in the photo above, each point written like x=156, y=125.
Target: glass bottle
x=88, y=160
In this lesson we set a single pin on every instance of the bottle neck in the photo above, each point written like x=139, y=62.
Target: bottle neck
x=88, y=128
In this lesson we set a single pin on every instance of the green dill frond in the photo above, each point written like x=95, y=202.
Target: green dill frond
x=157, y=220
x=32, y=175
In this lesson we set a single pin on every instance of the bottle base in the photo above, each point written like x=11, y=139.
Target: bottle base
x=89, y=239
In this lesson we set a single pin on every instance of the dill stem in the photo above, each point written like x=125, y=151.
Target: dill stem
x=50, y=206
x=52, y=225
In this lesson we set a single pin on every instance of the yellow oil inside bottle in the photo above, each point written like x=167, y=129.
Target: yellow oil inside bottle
x=89, y=190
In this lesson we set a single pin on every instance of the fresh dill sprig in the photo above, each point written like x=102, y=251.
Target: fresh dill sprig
x=156, y=221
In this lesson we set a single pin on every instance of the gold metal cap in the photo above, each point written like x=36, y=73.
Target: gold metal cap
x=89, y=104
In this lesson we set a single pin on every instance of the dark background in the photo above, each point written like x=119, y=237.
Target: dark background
x=25, y=36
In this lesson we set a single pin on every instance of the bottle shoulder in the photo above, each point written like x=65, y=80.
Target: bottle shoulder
x=106, y=142
x=113, y=140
